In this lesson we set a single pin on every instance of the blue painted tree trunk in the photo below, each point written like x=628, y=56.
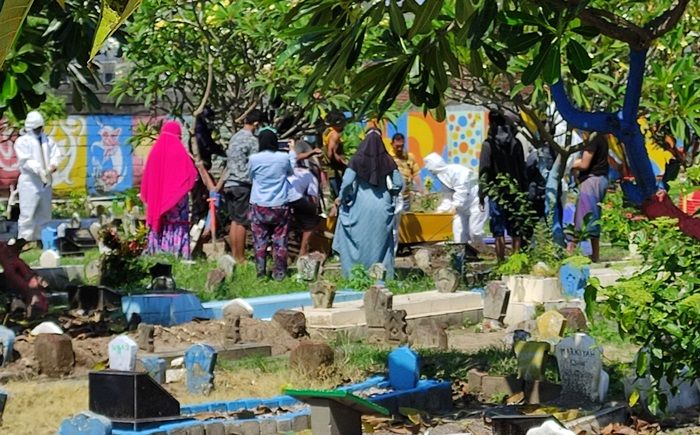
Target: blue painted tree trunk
x=622, y=125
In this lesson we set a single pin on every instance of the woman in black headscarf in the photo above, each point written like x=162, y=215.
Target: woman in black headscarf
x=364, y=231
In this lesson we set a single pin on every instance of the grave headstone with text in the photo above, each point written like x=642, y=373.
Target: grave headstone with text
x=122, y=354
x=580, y=365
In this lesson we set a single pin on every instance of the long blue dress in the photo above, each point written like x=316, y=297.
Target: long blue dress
x=364, y=231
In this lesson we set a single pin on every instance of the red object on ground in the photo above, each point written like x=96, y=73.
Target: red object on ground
x=23, y=279
x=660, y=205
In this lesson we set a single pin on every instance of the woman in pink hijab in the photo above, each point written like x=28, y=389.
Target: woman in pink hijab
x=168, y=177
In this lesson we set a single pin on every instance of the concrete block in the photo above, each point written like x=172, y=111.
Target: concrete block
x=496, y=385
x=236, y=405
x=268, y=426
x=526, y=288
x=214, y=428
x=250, y=427
x=284, y=424
x=475, y=379
x=300, y=422
x=232, y=427
x=519, y=312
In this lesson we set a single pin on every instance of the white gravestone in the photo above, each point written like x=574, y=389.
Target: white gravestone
x=122, y=354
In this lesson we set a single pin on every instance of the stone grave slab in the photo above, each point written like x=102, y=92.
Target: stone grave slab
x=377, y=272
x=446, y=280
x=322, y=294
x=378, y=302
x=7, y=343
x=145, y=337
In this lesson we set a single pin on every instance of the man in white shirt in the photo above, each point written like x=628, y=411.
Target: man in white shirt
x=38, y=158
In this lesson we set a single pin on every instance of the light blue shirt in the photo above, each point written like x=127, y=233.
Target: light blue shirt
x=269, y=171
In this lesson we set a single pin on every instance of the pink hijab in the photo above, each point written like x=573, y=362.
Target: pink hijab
x=168, y=176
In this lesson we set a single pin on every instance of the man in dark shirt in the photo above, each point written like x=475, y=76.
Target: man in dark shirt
x=502, y=154
x=592, y=170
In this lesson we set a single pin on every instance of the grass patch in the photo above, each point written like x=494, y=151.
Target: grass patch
x=605, y=332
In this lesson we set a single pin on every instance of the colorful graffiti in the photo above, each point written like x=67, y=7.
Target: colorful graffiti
x=110, y=165
x=70, y=136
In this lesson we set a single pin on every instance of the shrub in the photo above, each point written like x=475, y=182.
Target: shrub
x=658, y=308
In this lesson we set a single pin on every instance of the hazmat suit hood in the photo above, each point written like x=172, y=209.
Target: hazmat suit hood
x=436, y=165
x=34, y=120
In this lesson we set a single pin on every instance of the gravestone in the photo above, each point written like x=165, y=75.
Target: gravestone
x=94, y=230
x=54, y=354
x=86, y=423
x=422, y=258
x=237, y=307
x=46, y=328
x=145, y=337
x=377, y=272
x=50, y=259
x=309, y=357
x=232, y=331
x=395, y=327
x=215, y=278
x=93, y=271
x=226, y=263
x=531, y=358
x=580, y=366
x=7, y=343
x=308, y=267
x=575, y=318
x=200, y=360
x=550, y=325
x=378, y=302
x=429, y=334
x=446, y=280
x=496, y=297
x=404, y=368
x=322, y=294
x=154, y=366
x=294, y=322
x=122, y=354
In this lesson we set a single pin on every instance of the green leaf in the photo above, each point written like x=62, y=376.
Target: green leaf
x=634, y=398
x=578, y=55
x=551, y=71
x=397, y=20
x=496, y=57
x=112, y=15
x=428, y=12
x=12, y=16
x=9, y=87
x=642, y=367
x=523, y=42
x=463, y=10
x=476, y=65
x=19, y=67
x=535, y=68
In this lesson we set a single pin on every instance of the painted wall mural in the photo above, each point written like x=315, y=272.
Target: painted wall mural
x=110, y=166
x=70, y=136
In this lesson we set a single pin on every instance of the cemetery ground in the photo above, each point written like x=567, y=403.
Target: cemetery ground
x=38, y=404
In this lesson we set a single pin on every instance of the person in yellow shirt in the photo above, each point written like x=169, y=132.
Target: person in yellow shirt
x=409, y=170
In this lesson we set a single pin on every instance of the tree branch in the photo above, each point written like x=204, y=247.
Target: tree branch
x=662, y=24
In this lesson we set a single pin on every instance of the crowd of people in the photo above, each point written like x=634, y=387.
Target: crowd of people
x=270, y=186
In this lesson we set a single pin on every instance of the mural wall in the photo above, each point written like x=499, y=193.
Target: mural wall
x=99, y=159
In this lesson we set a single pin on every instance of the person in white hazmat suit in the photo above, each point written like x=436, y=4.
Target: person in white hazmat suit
x=461, y=196
x=38, y=158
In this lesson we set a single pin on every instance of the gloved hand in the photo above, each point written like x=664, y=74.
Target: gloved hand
x=44, y=176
